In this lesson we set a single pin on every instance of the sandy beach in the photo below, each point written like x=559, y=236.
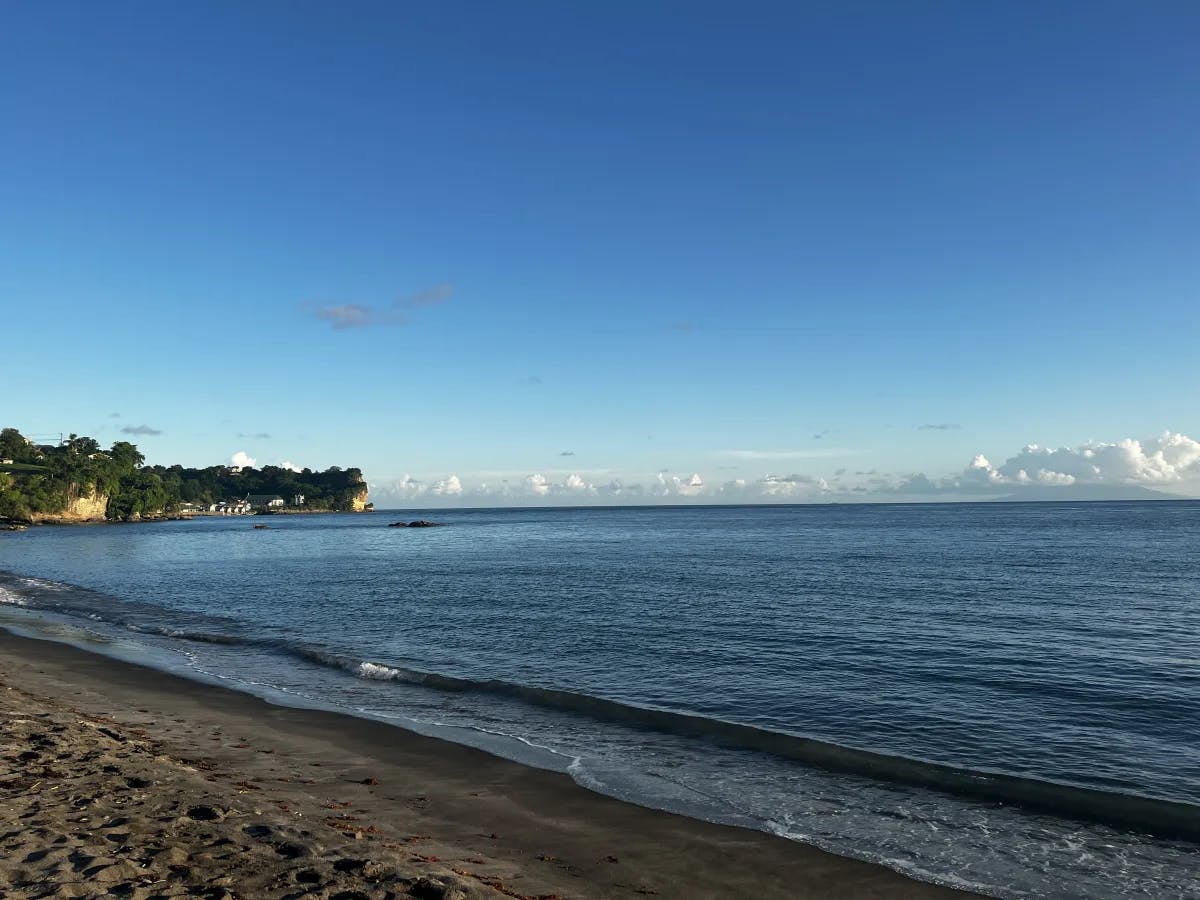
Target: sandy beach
x=119, y=780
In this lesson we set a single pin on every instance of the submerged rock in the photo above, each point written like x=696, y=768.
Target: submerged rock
x=419, y=523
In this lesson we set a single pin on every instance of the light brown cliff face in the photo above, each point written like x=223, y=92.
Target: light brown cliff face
x=89, y=507
x=359, y=503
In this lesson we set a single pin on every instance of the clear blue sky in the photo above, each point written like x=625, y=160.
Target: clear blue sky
x=645, y=234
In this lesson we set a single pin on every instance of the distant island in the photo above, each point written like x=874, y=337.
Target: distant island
x=1086, y=493
x=78, y=481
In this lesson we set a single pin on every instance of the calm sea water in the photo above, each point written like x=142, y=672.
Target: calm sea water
x=1004, y=697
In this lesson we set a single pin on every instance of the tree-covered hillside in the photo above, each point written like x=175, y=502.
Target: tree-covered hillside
x=45, y=479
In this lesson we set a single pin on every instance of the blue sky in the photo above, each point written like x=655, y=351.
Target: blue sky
x=758, y=243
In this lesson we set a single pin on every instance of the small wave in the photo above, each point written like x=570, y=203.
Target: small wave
x=584, y=777
x=200, y=637
x=1149, y=815
x=85, y=603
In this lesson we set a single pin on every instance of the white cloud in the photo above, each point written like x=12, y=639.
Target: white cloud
x=575, y=487
x=676, y=486
x=773, y=489
x=291, y=466
x=789, y=485
x=616, y=489
x=242, y=460
x=399, y=489
x=538, y=485
x=528, y=488
x=448, y=487
x=1163, y=461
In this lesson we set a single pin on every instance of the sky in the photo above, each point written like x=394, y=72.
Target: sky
x=533, y=252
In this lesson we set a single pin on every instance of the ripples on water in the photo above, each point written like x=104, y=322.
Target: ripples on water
x=677, y=656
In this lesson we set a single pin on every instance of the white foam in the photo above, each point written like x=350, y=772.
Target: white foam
x=377, y=672
x=45, y=585
x=584, y=778
x=11, y=599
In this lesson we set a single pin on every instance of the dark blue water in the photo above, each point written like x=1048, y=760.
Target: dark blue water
x=1005, y=697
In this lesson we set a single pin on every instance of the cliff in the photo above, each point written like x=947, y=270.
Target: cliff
x=81, y=507
x=54, y=483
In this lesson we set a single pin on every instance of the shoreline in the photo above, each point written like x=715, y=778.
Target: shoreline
x=414, y=806
x=66, y=521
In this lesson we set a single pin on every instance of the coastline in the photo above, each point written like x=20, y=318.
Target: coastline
x=58, y=521
x=362, y=805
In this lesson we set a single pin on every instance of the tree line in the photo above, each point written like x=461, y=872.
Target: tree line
x=44, y=478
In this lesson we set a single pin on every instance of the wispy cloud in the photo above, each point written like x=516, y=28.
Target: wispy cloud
x=821, y=435
x=530, y=379
x=567, y=453
x=259, y=435
x=114, y=415
x=945, y=426
x=823, y=453
x=140, y=429
x=357, y=315
x=352, y=315
x=431, y=297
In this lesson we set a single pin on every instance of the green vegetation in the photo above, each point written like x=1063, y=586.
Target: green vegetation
x=21, y=467
x=45, y=479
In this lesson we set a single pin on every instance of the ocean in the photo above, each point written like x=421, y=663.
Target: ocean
x=1000, y=697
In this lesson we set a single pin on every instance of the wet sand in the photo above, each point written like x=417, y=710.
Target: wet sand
x=119, y=780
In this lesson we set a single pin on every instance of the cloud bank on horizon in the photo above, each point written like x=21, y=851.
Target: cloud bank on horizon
x=1162, y=461
x=1169, y=461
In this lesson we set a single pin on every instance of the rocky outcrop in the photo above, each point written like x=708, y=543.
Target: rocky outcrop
x=81, y=507
x=419, y=523
x=359, y=503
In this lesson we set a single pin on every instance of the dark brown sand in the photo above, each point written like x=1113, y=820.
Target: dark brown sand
x=121, y=781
